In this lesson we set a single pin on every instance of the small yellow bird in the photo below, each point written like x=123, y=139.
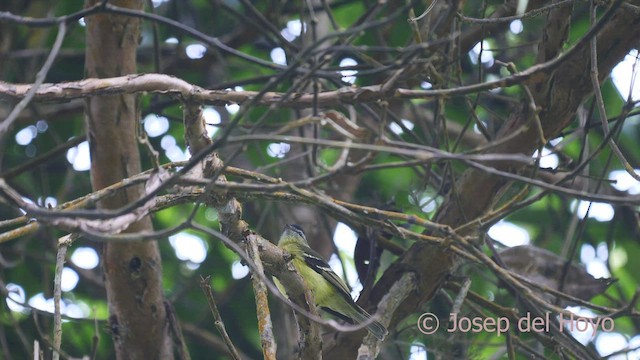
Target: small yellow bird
x=330, y=292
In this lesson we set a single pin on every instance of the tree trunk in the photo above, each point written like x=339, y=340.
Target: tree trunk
x=133, y=271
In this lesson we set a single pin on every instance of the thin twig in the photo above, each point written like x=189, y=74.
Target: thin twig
x=531, y=13
x=40, y=76
x=95, y=339
x=44, y=158
x=208, y=292
x=595, y=82
x=63, y=244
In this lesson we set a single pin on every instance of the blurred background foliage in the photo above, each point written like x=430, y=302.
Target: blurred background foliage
x=607, y=241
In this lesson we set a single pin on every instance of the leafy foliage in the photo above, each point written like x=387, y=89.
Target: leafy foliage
x=415, y=152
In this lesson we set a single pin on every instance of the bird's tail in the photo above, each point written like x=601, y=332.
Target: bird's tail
x=359, y=316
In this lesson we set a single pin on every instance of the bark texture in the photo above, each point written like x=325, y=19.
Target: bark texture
x=133, y=271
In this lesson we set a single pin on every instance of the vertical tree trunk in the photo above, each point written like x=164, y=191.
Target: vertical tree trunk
x=133, y=271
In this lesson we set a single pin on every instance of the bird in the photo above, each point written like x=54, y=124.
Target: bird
x=329, y=290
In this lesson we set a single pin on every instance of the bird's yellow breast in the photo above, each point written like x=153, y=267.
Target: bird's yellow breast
x=324, y=293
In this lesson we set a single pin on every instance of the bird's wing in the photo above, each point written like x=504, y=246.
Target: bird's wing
x=315, y=261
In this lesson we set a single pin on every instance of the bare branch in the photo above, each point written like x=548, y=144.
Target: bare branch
x=259, y=288
x=206, y=287
x=40, y=76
